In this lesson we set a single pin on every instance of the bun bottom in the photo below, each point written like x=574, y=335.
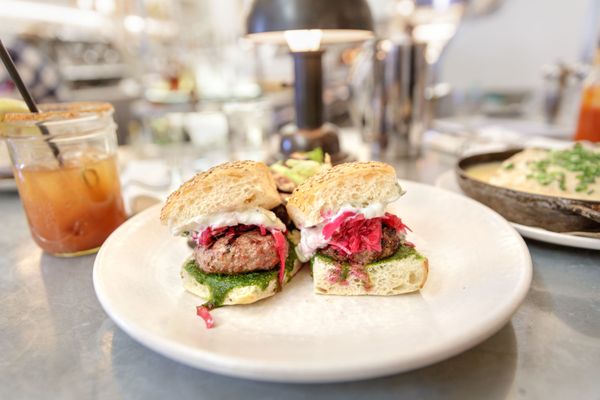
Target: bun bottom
x=404, y=272
x=242, y=294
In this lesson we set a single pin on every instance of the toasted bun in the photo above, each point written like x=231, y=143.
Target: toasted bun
x=238, y=295
x=387, y=278
x=357, y=184
x=232, y=186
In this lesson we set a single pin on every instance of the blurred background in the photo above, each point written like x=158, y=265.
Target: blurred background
x=181, y=71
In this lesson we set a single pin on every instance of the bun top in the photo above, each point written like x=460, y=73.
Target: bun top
x=357, y=184
x=232, y=186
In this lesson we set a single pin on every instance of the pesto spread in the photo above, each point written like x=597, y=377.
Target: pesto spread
x=402, y=253
x=219, y=285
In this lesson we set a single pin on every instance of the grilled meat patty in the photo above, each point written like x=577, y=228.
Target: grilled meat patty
x=390, y=242
x=229, y=254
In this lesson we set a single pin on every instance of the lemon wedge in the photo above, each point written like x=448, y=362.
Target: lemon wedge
x=10, y=106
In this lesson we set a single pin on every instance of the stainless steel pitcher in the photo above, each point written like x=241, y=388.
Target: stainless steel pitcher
x=388, y=97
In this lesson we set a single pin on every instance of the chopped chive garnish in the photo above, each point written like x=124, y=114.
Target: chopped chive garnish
x=584, y=162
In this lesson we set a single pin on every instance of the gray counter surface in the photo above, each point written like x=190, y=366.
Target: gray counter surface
x=57, y=342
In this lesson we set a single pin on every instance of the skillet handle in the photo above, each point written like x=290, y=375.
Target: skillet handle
x=584, y=211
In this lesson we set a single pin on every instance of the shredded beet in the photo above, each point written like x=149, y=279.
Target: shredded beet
x=334, y=225
x=341, y=247
x=282, y=250
x=394, y=222
x=204, y=313
x=210, y=235
x=352, y=233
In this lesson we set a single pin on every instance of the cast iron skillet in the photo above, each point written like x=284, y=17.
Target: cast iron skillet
x=552, y=213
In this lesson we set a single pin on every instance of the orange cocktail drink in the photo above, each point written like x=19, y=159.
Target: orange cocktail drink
x=67, y=176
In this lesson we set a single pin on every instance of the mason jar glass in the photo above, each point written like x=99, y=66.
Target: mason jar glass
x=65, y=168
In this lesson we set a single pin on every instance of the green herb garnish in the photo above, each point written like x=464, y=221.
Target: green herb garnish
x=584, y=162
x=316, y=155
x=401, y=253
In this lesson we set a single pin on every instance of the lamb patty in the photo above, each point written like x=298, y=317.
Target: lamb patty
x=250, y=251
x=390, y=242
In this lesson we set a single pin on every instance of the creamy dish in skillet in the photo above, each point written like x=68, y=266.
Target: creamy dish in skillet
x=572, y=173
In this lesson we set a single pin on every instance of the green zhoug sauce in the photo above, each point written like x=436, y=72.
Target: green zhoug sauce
x=403, y=252
x=584, y=162
x=219, y=285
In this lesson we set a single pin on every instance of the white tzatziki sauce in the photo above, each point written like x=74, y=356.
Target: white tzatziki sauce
x=252, y=216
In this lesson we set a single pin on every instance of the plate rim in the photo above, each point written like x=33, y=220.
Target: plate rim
x=530, y=232
x=280, y=371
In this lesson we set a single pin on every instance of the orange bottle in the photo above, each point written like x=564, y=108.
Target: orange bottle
x=588, y=125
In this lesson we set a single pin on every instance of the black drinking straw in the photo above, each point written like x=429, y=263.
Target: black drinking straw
x=16, y=78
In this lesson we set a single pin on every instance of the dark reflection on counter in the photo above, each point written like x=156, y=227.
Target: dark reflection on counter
x=569, y=290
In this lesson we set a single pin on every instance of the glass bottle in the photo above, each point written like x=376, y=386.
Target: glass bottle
x=588, y=125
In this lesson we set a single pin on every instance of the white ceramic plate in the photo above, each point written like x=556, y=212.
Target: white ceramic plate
x=480, y=271
x=448, y=181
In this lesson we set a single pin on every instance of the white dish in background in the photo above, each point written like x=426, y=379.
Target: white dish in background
x=448, y=181
x=8, y=185
x=489, y=127
x=480, y=271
